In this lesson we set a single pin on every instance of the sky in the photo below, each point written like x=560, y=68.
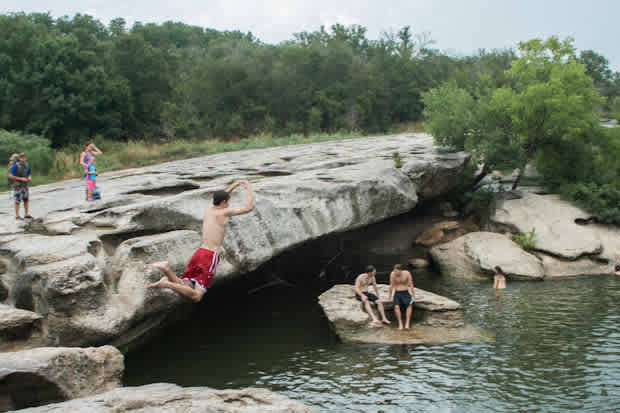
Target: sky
x=458, y=27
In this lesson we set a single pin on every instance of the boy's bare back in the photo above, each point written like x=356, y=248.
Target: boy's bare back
x=216, y=217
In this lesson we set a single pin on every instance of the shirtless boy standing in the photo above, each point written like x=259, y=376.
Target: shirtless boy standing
x=361, y=293
x=201, y=268
x=400, y=282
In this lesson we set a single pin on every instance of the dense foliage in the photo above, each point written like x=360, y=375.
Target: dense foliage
x=70, y=79
x=544, y=111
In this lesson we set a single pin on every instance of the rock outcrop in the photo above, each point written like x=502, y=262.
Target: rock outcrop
x=84, y=266
x=49, y=375
x=164, y=397
x=566, y=242
x=18, y=328
x=474, y=255
x=436, y=319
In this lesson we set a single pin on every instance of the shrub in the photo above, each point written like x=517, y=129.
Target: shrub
x=36, y=148
x=526, y=241
x=398, y=161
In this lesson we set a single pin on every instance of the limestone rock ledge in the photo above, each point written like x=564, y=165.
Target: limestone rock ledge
x=84, y=266
x=164, y=397
x=436, y=319
x=55, y=374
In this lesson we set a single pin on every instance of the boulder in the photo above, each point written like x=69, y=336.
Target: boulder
x=164, y=397
x=48, y=375
x=18, y=326
x=556, y=223
x=474, y=255
x=436, y=319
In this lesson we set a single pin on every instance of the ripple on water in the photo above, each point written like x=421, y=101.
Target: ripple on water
x=557, y=348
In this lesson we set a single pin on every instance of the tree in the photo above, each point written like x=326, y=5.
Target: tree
x=547, y=113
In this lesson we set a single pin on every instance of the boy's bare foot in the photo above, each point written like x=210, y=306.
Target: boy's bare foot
x=406, y=327
x=158, y=284
x=400, y=327
x=162, y=265
x=386, y=321
x=375, y=323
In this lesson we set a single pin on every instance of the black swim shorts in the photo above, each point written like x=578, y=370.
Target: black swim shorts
x=370, y=296
x=403, y=299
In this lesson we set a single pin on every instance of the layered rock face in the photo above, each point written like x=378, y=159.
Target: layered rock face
x=83, y=267
x=164, y=397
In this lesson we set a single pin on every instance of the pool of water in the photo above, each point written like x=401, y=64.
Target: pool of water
x=557, y=348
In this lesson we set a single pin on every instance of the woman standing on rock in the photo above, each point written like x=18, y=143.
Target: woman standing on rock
x=499, y=279
x=90, y=151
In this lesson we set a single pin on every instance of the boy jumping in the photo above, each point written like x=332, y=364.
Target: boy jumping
x=201, y=268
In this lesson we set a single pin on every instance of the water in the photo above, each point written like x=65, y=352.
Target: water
x=557, y=348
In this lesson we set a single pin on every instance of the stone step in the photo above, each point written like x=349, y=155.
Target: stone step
x=17, y=326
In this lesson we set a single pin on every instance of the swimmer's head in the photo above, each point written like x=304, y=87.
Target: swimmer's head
x=219, y=197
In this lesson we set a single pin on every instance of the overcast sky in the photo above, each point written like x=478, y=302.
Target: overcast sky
x=457, y=26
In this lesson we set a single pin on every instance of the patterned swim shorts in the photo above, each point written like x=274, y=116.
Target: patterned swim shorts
x=20, y=193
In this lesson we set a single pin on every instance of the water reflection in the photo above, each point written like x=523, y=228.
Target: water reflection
x=557, y=348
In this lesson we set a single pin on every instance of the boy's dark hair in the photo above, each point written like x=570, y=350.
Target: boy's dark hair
x=617, y=267
x=370, y=269
x=398, y=267
x=499, y=270
x=220, y=196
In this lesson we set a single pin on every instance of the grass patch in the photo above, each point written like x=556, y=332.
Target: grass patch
x=137, y=153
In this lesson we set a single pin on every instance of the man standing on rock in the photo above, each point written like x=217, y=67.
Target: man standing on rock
x=361, y=293
x=20, y=175
x=201, y=268
x=400, y=282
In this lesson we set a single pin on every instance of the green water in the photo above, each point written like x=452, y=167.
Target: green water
x=557, y=349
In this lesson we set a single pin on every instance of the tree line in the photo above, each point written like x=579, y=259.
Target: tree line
x=66, y=80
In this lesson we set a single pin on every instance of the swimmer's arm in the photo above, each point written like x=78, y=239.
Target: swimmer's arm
x=232, y=186
x=391, y=287
x=249, y=203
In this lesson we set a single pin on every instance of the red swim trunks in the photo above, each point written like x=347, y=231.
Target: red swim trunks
x=201, y=268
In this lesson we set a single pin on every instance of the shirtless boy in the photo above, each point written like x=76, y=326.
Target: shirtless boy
x=201, y=268
x=361, y=293
x=400, y=282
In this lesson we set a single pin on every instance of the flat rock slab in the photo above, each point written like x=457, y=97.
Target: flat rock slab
x=49, y=375
x=441, y=322
x=164, y=397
